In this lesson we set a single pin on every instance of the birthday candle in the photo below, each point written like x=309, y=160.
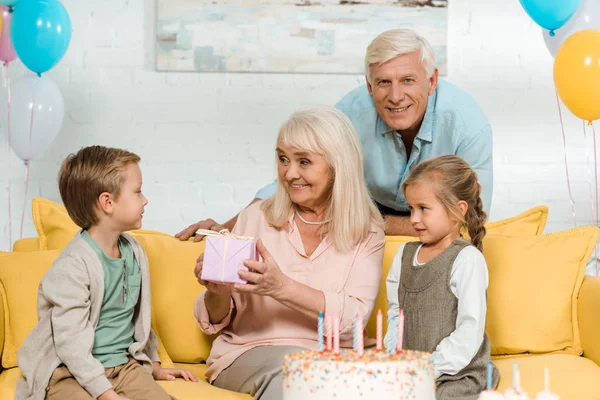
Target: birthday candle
x=400, y=335
x=546, y=379
x=393, y=334
x=328, y=331
x=320, y=333
x=336, y=335
x=360, y=331
x=516, y=380
x=355, y=336
x=379, y=330
x=490, y=367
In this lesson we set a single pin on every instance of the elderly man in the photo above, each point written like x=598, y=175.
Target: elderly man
x=404, y=115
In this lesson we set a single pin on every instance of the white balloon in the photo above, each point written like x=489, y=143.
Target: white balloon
x=36, y=100
x=587, y=16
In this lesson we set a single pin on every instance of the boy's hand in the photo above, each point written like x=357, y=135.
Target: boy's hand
x=170, y=374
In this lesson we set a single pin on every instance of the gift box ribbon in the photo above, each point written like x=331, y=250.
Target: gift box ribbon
x=225, y=234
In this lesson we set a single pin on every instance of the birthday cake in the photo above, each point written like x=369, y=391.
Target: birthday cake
x=348, y=375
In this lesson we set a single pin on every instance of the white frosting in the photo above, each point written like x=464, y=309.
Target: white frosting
x=490, y=395
x=547, y=396
x=512, y=394
x=376, y=375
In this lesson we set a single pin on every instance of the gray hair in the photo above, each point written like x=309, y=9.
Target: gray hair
x=393, y=43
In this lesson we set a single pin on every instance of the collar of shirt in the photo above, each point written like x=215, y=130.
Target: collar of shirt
x=425, y=131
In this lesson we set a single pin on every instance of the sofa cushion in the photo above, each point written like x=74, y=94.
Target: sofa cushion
x=174, y=291
x=533, y=290
x=571, y=377
x=529, y=223
x=8, y=382
x=54, y=226
x=202, y=390
x=179, y=388
x=27, y=244
x=20, y=275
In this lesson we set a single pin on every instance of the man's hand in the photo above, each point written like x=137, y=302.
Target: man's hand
x=170, y=374
x=209, y=224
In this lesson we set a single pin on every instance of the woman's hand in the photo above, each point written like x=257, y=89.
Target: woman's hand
x=219, y=289
x=265, y=277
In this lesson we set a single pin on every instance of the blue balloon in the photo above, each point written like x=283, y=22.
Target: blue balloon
x=9, y=3
x=550, y=14
x=41, y=33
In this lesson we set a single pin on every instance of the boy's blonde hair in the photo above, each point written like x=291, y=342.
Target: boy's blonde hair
x=454, y=180
x=327, y=131
x=86, y=174
x=396, y=42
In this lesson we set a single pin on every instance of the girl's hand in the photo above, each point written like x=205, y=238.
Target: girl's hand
x=265, y=277
x=223, y=290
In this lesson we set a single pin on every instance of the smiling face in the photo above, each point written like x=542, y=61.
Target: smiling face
x=306, y=176
x=400, y=89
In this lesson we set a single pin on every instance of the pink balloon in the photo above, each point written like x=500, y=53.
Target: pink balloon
x=7, y=52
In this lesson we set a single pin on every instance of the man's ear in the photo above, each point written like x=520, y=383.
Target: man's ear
x=433, y=81
x=369, y=86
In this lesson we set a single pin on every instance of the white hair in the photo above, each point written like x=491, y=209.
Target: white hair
x=327, y=131
x=396, y=42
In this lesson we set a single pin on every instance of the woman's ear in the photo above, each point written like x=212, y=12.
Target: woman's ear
x=463, y=206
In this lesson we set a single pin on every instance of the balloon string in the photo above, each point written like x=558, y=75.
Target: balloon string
x=594, y=216
x=562, y=128
x=27, y=170
x=596, y=181
x=8, y=101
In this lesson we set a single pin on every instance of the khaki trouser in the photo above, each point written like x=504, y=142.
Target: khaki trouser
x=129, y=380
x=257, y=372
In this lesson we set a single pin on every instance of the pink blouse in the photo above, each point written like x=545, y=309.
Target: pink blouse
x=349, y=280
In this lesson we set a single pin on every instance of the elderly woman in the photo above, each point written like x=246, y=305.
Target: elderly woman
x=321, y=243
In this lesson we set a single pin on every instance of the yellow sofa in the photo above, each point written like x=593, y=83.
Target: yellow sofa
x=181, y=343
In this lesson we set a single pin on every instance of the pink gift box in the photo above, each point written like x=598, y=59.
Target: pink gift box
x=224, y=256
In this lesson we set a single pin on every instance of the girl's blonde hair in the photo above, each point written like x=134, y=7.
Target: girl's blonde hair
x=327, y=131
x=454, y=181
x=396, y=42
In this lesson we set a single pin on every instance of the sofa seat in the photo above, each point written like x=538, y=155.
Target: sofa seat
x=180, y=389
x=572, y=377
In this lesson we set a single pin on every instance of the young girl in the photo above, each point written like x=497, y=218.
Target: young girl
x=440, y=282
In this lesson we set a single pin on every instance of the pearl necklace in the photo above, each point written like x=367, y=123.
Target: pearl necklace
x=311, y=222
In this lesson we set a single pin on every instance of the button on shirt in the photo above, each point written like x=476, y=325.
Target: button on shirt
x=453, y=124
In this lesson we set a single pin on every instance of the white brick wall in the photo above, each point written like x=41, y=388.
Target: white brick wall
x=206, y=140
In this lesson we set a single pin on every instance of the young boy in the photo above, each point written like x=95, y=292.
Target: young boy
x=93, y=338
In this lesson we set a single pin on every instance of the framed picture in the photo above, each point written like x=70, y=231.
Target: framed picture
x=287, y=36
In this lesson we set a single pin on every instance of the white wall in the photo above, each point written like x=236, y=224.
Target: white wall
x=206, y=140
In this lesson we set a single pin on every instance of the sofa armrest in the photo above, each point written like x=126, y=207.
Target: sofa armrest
x=2, y=323
x=27, y=244
x=588, y=314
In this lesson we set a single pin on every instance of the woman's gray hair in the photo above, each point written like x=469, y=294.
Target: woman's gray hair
x=327, y=131
x=393, y=43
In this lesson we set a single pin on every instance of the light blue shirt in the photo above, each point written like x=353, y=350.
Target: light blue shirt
x=453, y=124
